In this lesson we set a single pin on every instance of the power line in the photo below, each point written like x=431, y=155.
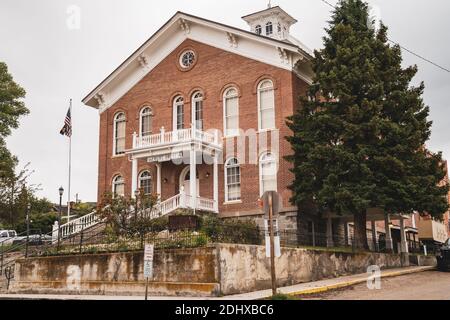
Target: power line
x=402, y=47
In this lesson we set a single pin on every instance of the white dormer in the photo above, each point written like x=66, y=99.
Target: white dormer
x=272, y=22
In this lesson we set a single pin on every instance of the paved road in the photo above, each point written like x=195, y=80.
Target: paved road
x=420, y=286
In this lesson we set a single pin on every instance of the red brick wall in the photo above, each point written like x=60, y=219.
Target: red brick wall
x=215, y=69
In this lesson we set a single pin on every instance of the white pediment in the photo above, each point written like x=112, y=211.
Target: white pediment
x=182, y=27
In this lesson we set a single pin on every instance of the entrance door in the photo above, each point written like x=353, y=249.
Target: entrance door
x=185, y=179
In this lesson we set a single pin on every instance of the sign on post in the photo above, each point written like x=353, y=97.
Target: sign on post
x=148, y=265
x=271, y=204
x=275, y=204
x=148, y=260
x=277, y=241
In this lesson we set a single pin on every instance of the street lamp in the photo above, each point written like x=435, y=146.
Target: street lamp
x=61, y=192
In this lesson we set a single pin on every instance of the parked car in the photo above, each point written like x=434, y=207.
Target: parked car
x=443, y=257
x=7, y=237
x=33, y=240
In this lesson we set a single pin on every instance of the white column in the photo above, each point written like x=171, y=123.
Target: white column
x=182, y=198
x=134, y=177
x=158, y=179
x=216, y=182
x=193, y=178
x=404, y=243
x=387, y=223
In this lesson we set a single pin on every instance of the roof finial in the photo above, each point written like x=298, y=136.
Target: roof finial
x=270, y=4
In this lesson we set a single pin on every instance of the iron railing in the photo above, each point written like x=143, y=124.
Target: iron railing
x=99, y=239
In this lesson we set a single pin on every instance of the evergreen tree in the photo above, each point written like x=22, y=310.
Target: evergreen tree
x=359, y=135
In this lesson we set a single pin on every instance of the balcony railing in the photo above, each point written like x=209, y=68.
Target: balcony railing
x=175, y=137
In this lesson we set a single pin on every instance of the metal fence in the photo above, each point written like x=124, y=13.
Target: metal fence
x=99, y=240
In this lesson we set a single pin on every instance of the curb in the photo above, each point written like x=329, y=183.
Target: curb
x=355, y=282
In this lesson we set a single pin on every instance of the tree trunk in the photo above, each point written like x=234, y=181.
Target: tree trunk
x=360, y=230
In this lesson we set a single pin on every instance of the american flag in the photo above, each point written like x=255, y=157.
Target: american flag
x=67, y=129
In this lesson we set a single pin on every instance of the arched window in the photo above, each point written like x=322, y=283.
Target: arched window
x=146, y=121
x=120, y=122
x=232, y=180
x=197, y=110
x=269, y=28
x=268, y=173
x=231, y=112
x=258, y=29
x=178, y=113
x=118, y=187
x=266, y=105
x=145, y=182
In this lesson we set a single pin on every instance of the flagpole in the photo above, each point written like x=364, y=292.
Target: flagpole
x=70, y=167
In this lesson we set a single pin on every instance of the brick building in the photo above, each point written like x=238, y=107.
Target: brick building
x=197, y=115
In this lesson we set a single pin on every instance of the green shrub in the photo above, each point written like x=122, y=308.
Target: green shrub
x=282, y=297
x=231, y=230
x=159, y=224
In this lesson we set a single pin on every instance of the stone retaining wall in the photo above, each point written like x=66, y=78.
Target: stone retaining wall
x=220, y=269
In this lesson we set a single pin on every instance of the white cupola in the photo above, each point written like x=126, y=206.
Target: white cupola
x=273, y=22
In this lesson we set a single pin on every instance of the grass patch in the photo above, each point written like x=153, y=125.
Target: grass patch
x=283, y=297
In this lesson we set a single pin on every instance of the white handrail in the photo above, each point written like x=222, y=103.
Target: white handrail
x=79, y=224
x=179, y=136
x=180, y=201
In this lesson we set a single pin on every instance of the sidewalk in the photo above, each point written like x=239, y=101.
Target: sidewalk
x=300, y=289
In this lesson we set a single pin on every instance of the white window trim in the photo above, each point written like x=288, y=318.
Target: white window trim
x=266, y=27
x=149, y=178
x=182, y=56
x=194, y=107
x=259, y=106
x=175, y=105
x=225, y=129
x=114, y=183
x=141, y=116
x=115, y=154
x=226, y=182
x=260, y=171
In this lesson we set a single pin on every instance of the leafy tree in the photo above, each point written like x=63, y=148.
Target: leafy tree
x=82, y=209
x=129, y=217
x=359, y=135
x=15, y=193
x=12, y=108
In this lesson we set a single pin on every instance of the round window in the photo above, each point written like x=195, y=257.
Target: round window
x=187, y=59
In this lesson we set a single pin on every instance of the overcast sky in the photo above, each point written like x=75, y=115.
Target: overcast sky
x=54, y=63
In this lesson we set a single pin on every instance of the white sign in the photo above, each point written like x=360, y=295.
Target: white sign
x=148, y=260
x=277, y=240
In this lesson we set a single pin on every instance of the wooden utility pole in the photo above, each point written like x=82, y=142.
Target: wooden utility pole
x=272, y=246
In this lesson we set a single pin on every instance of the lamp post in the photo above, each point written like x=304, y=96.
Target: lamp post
x=61, y=192
x=28, y=229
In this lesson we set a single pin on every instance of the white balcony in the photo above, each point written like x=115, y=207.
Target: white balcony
x=176, y=139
